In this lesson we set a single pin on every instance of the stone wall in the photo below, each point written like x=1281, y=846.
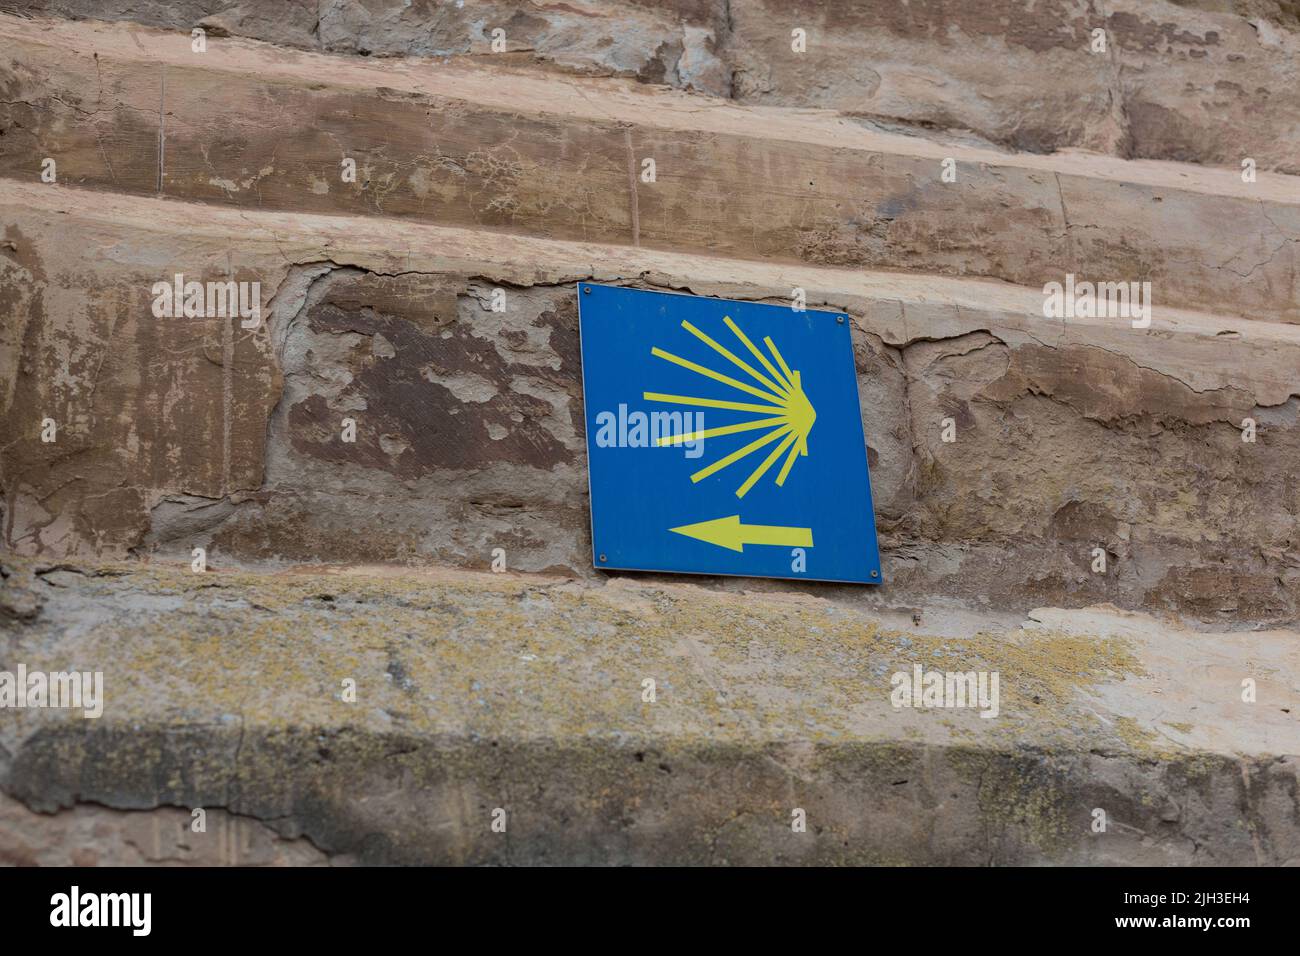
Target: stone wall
x=925, y=168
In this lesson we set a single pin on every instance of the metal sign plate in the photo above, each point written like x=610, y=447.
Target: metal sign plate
x=724, y=438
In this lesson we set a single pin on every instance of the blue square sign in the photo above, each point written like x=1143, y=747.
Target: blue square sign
x=724, y=438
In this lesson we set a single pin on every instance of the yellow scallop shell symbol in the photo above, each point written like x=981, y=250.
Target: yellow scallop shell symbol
x=786, y=414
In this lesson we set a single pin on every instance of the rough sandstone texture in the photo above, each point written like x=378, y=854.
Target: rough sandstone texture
x=519, y=172
x=93, y=835
x=1175, y=82
x=1204, y=82
x=470, y=143
x=1071, y=436
x=479, y=691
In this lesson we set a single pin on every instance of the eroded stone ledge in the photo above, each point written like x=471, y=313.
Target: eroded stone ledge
x=1071, y=436
x=478, y=691
x=1195, y=82
x=472, y=144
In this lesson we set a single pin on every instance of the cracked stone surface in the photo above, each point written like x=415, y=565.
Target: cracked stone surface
x=1071, y=436
x=92, y=835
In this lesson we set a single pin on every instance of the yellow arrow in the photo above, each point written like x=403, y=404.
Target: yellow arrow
x=730, y=533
